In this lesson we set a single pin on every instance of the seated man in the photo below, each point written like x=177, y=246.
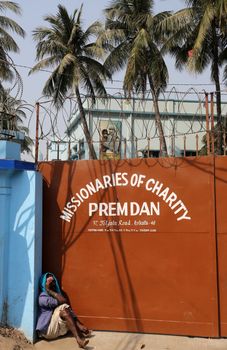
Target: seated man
x=55, y=317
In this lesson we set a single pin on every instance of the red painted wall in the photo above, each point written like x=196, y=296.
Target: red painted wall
x=155, y=272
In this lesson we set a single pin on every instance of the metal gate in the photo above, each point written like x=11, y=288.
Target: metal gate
x=134, y=242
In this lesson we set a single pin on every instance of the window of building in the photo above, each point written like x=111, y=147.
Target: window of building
x=81, y=151
x=151, y=153
x=188, y=153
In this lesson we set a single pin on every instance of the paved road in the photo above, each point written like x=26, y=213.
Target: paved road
x=133, y=341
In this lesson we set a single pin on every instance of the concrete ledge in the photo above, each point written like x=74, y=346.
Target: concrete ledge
x=8, y=164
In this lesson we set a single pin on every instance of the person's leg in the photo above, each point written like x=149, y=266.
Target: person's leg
x=80, y=326
x=67, y=317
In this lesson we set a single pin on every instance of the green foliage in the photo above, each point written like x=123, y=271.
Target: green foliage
x=12, y=116
x=7, y=43
x=68, y=49
x=197, y=38
x=134, y=37
x=213, y=140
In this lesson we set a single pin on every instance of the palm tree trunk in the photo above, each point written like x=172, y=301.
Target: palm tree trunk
x=85, y=126
x=158, y=121
x=218, y=91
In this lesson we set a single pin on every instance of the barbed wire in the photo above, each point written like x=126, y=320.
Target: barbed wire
x=183, y=113
x=181, y=117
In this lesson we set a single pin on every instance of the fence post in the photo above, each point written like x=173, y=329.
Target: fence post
x=160, y=149
x=148, y=147
x=47, y=151
x=207, y=123
x=37, y=133
x=212, y=120
x=172, y=146
x=91, y=143
x=197, y=144
x=184, y=145
x=69, y=150
x=58, y=151
x=224, y=143
x=125, y=148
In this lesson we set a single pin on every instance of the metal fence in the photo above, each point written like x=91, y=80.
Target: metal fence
x=189, y=125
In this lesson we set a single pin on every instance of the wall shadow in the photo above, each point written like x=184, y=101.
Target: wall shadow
x=21, y=240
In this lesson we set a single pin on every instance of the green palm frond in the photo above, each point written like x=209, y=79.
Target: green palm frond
x=136, y=59
x=93, y=30
x=94, y=50
x=118, y=57
x=223, y=54
x=56, y=87
x=194, y=30
x=138, y=29
x=201, y=42
x=158, y=69
x=112, y=36
x=225, y=75
x=135, y=36
x=65, y=46
x=44, y=64
x=12, y=117
x=199, y=61
x=171, y=24
x=204, y=27
x=10, y=5
x=96, y=66
x=7, y=43
x=5, y=64
x=68, y=60
x=9, y=24
x=86, y=84
x=50, y=48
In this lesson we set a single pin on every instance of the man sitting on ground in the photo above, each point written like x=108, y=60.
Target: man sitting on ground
x=55, y=317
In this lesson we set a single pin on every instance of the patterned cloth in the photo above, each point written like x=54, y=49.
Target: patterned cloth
x=57, y=325
x=46, y=304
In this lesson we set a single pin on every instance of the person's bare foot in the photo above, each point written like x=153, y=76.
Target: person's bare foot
x=82, y=343
x=87, y=333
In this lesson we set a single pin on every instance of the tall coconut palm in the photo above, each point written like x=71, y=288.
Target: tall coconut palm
x=198, y=38
x=65, y=46
x=7, y=43
x=12, y=117
x=132, y=30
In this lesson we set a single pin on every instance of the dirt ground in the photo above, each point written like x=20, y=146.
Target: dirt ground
x=12, y=339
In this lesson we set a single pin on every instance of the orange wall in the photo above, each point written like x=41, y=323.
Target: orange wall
x=221, y=209
x=148, y=273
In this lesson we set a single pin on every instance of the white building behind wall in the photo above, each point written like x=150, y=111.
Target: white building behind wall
x=132, y=122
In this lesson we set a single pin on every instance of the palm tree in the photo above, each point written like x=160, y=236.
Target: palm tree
x=198, y=38
x=7, y=43
x=12, y=116
x=68, y=48
x=132, y=36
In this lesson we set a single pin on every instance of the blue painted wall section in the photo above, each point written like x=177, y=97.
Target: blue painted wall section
x=5, y=191
x=20, y=243
x=9, y=150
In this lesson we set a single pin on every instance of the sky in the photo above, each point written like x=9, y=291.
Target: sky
x=33, y=12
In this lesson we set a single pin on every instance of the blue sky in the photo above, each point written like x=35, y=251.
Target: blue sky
x=32, y=16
